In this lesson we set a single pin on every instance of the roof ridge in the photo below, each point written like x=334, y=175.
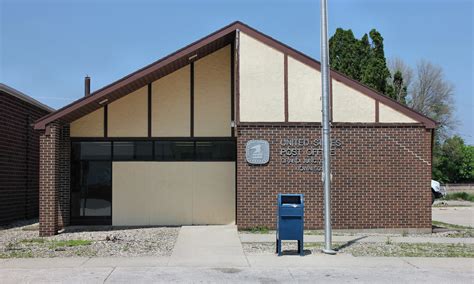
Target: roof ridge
x=24, y=97
x=148, y=70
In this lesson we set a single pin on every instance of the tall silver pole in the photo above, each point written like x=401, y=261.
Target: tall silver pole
x=326, y=129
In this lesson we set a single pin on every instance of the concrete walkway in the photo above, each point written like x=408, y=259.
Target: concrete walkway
x=208, y=246
x=260, y=268
x=463, y=216
x=270, y=238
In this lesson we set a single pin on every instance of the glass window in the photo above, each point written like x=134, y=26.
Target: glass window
x=91, y=150
x=91, y=192
x=215, y=150
x=174, y=150
x=133, y=150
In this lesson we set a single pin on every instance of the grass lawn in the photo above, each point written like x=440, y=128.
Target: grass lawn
x=459, y=196
x=29, y=247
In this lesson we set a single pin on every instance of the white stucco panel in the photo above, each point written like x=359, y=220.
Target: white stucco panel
x=304, y=92
x=261, y=82
x=388, y=114
x=350, y=105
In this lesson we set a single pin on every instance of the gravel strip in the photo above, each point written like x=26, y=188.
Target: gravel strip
x=369, y=249
x=22, y=240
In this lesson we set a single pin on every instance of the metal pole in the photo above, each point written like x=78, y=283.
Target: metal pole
x=326, y=129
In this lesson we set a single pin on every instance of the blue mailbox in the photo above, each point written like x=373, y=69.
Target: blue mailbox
x=290, y=222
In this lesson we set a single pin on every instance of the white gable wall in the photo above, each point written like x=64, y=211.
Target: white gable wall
x=349, y=105
x=389, y=115
x=261, y=82
x=262, y=91
x=304, y=92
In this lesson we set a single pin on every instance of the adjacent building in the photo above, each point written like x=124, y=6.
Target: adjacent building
x=211, y=133
x=19, y=154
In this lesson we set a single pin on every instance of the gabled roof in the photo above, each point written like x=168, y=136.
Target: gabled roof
x=201, y=48
x=14, y=92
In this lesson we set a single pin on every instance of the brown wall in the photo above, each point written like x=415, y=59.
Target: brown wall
x=378, y=181
x=18, y=159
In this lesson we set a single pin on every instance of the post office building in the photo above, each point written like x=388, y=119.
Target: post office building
x=211, y=133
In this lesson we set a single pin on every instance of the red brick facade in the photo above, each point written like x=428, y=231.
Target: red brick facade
x=54, y=179
x=19, y=158
x=381, y=176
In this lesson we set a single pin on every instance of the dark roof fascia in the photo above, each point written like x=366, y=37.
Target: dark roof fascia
x=101, y=94
x=189, y=49
x=14, y=92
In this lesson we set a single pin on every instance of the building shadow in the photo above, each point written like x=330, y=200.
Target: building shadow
x=28, y=224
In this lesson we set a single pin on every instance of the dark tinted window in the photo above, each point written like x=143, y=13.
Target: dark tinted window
x=91, y=188
x=133, y=150
x=215, y=150
x=174, y=150
x=91, y=150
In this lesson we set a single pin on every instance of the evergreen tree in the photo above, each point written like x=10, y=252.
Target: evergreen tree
x=362, y=60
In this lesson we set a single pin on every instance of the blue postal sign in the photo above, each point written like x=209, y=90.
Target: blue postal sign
x=257, y=152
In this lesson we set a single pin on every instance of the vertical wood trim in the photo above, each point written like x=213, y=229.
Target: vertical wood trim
x=235, y=67
x=232, y=86
x=237, y=77
x=192, y=99
x=149, y=110
x=285, y=85
x=106, y=121
x=376, y=111
x=330, y=98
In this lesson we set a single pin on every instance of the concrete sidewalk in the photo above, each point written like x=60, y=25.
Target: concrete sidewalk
x=463, y=216
x=270, y=238
x=260, y=268
x=214, y=254
x=208, y=246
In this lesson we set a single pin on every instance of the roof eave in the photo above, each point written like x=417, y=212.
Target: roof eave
x=185, y=51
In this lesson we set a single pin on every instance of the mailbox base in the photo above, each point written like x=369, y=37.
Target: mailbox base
x=300, y=247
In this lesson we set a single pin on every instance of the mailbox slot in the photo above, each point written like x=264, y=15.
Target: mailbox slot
x=290, y=200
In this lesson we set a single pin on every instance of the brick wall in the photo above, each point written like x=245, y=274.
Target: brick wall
x=381, y=176
x=54, y=179
x=19, y=159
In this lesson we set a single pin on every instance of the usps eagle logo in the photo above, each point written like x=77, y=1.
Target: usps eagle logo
x=257, y=152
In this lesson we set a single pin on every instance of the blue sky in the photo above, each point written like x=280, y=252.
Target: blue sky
x=47, y=47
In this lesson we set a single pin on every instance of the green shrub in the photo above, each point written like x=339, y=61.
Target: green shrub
x=459, y=196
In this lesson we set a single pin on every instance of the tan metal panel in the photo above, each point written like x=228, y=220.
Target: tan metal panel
x=349, y=105
x=90, y=125
x=262, y=96
x=171, y=105
x=304, y=92
x=128, y=116
x=130, y=194
x=212, y=94
x=173, y=193
x=214, y=193
x=389, y=115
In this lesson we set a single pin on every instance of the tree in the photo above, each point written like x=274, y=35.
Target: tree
x=397, y=89
x=402, y=76
x=362, y=60
x=432, y=95
x=345, y=53
x=453, y=161
x=397, y=64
